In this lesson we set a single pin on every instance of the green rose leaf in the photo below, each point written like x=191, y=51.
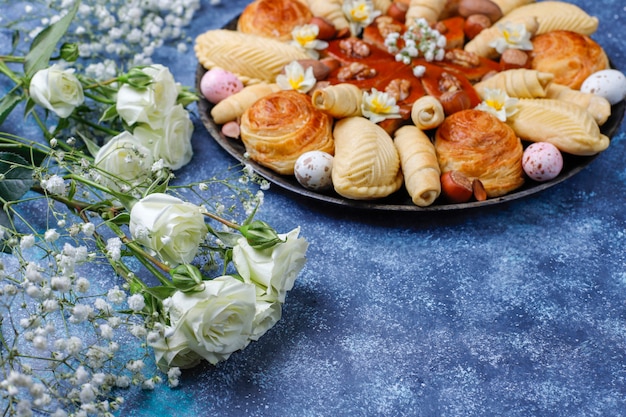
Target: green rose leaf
x=46, y=41
x=7, y=104
x=17, y=177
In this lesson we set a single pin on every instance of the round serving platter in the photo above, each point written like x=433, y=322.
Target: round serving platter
x=399, y=201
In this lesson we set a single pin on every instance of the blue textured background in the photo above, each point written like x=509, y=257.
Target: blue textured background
x=511, y=310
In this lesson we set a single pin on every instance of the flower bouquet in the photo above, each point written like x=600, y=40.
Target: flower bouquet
x=195, y=277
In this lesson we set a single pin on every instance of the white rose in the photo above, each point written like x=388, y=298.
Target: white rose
x=274, y=269
x=267, y=315
x=57, y=90
x=169, y=226
x=124, y=159
x=172, y=350
x=152, y=104
x=171, y=143
x=216, y=321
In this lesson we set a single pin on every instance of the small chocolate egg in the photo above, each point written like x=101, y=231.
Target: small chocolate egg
x=542, y=161
x=313, y=170
x=609, y=83
x=217, y=84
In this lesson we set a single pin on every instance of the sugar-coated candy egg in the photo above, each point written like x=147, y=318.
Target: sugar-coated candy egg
x=542, y=161
x=609, y=83
x=217, y=84
x=313, y=170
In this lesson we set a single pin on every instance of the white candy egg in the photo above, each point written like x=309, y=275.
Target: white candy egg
x=313, y=170
x=542, y=161
x=609, y=83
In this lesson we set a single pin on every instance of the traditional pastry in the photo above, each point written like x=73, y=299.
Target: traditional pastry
x=281, y=126
x=366, y=164
x=330, y=10
x=481, y=44
x=597, y=106
x=382, y=5
x=570, y=56
x=273, y=18
x=420, y=167
x=556, y=15
x=232, y=107
x=427, y=113
x=252, y=58
x=479, y=145
x=507, y=6
x=426, y=9
x=519, y=83
x=567, y=126
x=339, y=100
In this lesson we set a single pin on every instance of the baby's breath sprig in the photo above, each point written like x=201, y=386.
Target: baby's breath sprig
x=419, y=39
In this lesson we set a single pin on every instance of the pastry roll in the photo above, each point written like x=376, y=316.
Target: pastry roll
x=281, y=126
x=556, y=15
x=382, y=5
x=507, y=5
x=331, y=10
x=565, y=125
x=252, y=58
x=339, y=100
x=420, y=167
x=481, y=43
x=232, y=107
x=366, y=164
x=519, y=83
x=427, y=9
x=597, y=106
x=427, y=113
x=273, y=18
x=570, y=56
x=482, y=147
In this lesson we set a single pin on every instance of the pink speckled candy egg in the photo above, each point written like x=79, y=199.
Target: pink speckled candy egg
x=313, y=170
x=217, y=84
x=542, y=161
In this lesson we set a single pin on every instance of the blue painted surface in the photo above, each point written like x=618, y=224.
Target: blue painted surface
x=511, y=310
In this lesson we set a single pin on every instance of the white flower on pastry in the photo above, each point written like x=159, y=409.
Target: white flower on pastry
x=305, y=37
x=378, y=106
x=360, y=13
x=498, y=103
x=296, y=78
x=514, y=36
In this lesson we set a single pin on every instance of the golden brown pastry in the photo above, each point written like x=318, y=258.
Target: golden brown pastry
x=570, y=56
x=339, y=100
x=281, y=126
x=427, y=9
x=232, y=107
x=427, y=113
x=556, y=15
x=330, y=10
x=419, y=164
x=481, y=146
x=507, y=6
x=567, y=126
x=366, y=164
x=519, y=83
x=273, y=18
x=252, y=58
x=481, y=44
x=597, y=106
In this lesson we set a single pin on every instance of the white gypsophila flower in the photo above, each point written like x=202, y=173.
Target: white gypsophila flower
x=305, y=37
x=88, y=229
x=51, y=235
x=50, y=305
x=138, y=330
x=57, y=90
x=32, y=272
x=27, y=242
x=106, y=331
x=104, y=307
x=116, y=295
x=296, y=78
x=378, y=106
x=82, y=285
x=498, y=103
x=80, y=313
x=513, y=36
x=54, y=185
x=360, y=13
x=136, y=302
x=114, y=248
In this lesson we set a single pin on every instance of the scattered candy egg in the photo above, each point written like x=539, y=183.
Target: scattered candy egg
x=542, y=161
x=609, y=83
x=217, y=84
x=313, y=170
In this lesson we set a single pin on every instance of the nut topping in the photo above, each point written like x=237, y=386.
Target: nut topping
x=356, y=71
x=355, y=48
x=463, y=58
x=399, y=89
x=387, y=25
x=449, y=82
